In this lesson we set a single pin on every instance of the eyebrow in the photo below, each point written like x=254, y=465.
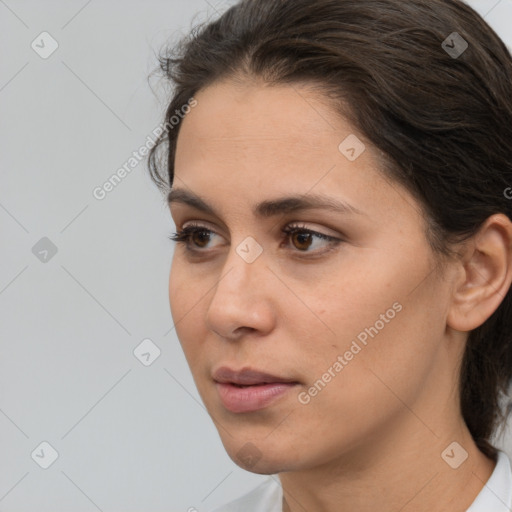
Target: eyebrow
x=272, y=207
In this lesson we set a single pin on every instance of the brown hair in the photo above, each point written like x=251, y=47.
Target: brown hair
x=440, y=112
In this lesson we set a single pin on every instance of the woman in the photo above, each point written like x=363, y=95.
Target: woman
x=340, y=184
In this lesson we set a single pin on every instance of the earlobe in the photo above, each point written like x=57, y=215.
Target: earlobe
x=486, y=275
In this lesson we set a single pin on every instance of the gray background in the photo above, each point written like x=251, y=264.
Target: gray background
x=130, y=437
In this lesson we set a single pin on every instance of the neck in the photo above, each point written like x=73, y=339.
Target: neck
x=398, y=470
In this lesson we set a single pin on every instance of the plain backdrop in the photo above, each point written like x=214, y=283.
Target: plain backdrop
x=84, y=281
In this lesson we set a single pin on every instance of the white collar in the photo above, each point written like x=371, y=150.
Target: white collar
x=496, y=495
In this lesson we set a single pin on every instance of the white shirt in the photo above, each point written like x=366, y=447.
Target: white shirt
x=495, y=496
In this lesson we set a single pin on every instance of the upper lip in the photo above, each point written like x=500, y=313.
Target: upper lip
x=246, y=376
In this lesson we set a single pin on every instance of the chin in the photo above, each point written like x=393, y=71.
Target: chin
x=262, y=466
x=261, y=457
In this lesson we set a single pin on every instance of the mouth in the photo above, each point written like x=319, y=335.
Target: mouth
x=249, y=390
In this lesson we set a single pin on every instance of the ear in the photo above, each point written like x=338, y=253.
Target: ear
x=485, y=275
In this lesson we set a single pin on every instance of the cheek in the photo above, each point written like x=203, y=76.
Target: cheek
x=376, y=325
x=185, y=290
x=176, y=293
x=346, y=401
x=344, y=308
x=176, y=290
x=185, y=305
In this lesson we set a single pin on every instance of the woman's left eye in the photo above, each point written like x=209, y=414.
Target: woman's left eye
x=302, y=238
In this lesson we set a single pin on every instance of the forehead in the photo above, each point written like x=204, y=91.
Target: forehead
x=276, y=130
x=259, y=114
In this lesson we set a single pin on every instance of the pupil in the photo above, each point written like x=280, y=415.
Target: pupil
x=302, y=237
x=201, y=234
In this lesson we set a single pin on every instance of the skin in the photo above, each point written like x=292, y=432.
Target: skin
x=372, y=438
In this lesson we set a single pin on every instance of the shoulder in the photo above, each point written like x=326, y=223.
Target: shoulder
x=267, y=497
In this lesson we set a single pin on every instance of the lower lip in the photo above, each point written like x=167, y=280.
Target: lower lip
x=251, y=398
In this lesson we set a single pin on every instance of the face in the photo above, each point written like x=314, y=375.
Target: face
x=301, y=342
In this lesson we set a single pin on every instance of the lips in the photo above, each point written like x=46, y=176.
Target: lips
x=249, y=390
x=246, y=377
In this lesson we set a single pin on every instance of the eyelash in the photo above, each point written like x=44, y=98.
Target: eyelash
x=184, y=236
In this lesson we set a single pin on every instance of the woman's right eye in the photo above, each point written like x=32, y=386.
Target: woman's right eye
x=198, y=235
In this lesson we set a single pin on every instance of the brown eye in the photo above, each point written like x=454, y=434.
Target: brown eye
x=200, y=238
x=303, y=238
x=195, y=238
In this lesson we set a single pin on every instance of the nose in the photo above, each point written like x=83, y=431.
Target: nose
x=243, y=298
